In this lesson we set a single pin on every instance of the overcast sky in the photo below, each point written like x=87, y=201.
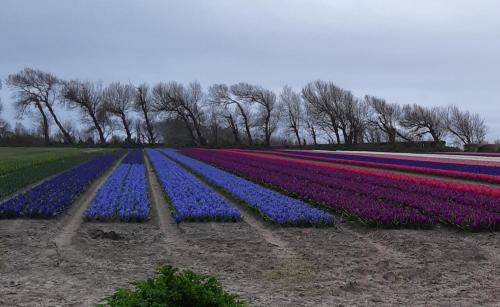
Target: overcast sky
x=428, y=52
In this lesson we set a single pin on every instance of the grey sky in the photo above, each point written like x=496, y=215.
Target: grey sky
x=429, y=52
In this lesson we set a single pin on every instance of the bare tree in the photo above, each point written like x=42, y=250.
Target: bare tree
x=143, y=104
x=4, y=125
x=336, y=110
x=184, y=103
x=353, y=116
x=266, y=102
x=222, y=94
x=385, y=117
x=311, y=123
x=468, y=128
x=40, y=89
x=231, y=119
x=70, y=128
x=118, y=101
x=138, y=127
x=23, y=104
x=108, y=124
x=294, y=110
x=213, y=125
x=421, y=120
x=323, y=99
x=87, y=97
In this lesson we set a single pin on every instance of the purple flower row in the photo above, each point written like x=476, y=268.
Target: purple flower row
x=190, y=199
x=124, y=195
x=272, y=205
x=454, y=207
x=51, y=197
x=445, y=166
x=134, y=156
x=373, y=199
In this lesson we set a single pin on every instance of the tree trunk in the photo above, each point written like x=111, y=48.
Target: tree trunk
x=102, y=140
x=148, y=126
x=268, y=128
x=313, y=134
x=268, y=135
x=392, y=137
x=201, y=138
x=190, y=130
x=197, y=128
x=247, y=127
x=234, y=130
x=67, y=136
x=434, y=135
x=127, y=130
x=45, y=124
x=296, y=132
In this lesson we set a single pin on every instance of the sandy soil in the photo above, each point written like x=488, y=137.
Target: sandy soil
x=64, y=262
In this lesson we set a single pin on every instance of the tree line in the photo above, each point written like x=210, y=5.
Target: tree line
x=240, y=114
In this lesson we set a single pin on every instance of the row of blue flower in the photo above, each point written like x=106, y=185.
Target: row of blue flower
x=134, y=156
x=277, y=207
x=190, y=199
x=124, y=195
x=51, y=197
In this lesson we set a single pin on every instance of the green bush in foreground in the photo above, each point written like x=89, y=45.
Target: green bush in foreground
x=174, y=288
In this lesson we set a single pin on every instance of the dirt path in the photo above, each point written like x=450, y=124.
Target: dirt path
x=165, y=220
x=72, y=220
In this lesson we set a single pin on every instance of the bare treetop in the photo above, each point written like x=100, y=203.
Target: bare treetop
x=40, y=89
x=385, y=116
x=466, y=127
x=185, y=102
x=119, y=101
x=88, y=98
x=421, y=120
x=143, y=103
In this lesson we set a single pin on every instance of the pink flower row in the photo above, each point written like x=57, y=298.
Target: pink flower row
x=413, y=169
x=485, y=190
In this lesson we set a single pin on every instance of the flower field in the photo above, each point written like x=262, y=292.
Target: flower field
x=289, y=188
x=488, y=173
x=51, y=197
x=13, y=159
x=124, y=195
x=373, y=199
x=19, y=168
x=189, y=198
x=274, y=206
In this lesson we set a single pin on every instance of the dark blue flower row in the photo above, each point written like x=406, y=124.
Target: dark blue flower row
x=475, y=169
x=134, y=156
x=275, y=206
x=51, y=197
x=191, y=200
x=124, y=195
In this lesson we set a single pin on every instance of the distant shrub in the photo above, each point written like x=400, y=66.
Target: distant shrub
x=174, y=288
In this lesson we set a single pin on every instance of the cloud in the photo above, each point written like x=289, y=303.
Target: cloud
x=427, y=52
